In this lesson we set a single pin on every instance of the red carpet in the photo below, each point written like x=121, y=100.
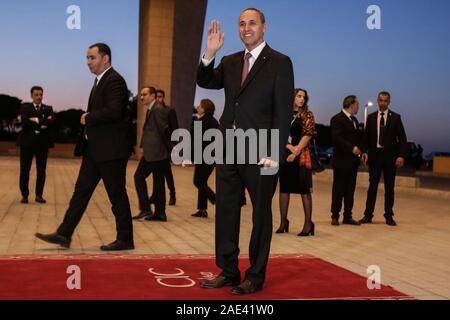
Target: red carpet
x=175, y=278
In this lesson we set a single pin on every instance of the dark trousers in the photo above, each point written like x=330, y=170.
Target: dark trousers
x=344, y=184
x=144, y=169
x=113, y=175
x=381, y=162
x=26, y=159
x=205, y=193
x=230, y=179
x=168, y=175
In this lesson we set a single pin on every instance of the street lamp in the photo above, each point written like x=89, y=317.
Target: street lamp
x=368, y=105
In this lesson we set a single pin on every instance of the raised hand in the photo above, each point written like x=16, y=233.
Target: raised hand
x=214, y=41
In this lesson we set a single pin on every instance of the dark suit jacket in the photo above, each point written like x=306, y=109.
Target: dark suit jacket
x=265, y=99
x=173, y=120
x=395, y=141
x=107, y=123
x=345, y=137
x=33, y=134
x=155, y=136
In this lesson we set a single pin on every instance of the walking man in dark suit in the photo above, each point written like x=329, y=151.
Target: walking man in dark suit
x=105, y=146
x=168, y=175
x=155, y=144
x=386, y=140
x=259, y=94
x=348, y=153
x=34, y=140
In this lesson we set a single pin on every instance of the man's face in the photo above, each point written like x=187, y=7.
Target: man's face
x=146, y=97
x=383, y=102
x=355, y=107
x=37, y=96
x=96, y=62
x=251, y=29
x=160, y=97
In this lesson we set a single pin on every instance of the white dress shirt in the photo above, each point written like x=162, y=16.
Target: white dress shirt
x=100, y=76
x=350, y=117
x=386, y=113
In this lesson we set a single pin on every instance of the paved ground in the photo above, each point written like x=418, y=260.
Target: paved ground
x=413, y=257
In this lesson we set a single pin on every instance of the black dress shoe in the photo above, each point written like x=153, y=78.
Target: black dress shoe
x=156, y=218
x=335, y=222
x=118, y=245
x=172, y=201
x=351, y=221
x=365, y=220
x=24, y=200
x=39, y=199
x=54, y=238
x=391, y=222
x=142, y=215
x=246, y=287
x=200, y=214
x=219, y=282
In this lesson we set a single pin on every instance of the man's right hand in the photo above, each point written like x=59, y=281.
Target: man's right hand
x=214, y=41
x=356, y=151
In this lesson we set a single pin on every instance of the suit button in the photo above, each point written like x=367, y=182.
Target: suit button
x=236, y=104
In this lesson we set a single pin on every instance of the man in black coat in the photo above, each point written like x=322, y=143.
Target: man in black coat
x=156, y=156
x=386, y=140
x=348, y=153
x=259, y=94
x=168, y=175
x=105, y=146
x=34, y=140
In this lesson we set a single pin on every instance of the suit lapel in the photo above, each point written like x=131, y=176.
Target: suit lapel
x=94, y=91
x=259, y=63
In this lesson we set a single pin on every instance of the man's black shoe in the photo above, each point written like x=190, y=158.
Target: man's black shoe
x=55, y=239
x=118, y=245
x=172, y=201
x=351, y=221
x=142, y=215
x=200, y=214
x=365, y=220
x=246, y=287
x=219, y=282
x=335, y=222
x=391, y=222
x=24, y=200
x=39, y=199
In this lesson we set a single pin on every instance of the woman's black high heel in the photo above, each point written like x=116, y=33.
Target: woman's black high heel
x=310, y=232
x=284, y=229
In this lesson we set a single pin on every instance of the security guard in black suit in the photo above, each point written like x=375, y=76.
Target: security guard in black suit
x=34, y=140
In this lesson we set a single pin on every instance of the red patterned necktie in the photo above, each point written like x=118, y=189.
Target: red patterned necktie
x=246, y=68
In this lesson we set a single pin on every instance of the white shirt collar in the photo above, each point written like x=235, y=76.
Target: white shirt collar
x=257, y=51
x=37, y=105
x=385, y=112
x=346, y=113
x=100, y=76
x=151, y=104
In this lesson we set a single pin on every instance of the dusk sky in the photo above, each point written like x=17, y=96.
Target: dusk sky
x=333, y=51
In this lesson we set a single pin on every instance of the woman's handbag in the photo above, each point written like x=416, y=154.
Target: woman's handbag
x=309, y=158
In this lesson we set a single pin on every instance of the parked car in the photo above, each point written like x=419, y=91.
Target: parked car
x=325, y=155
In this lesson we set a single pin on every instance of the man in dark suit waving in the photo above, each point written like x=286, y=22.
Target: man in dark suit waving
x=105, y=146
x=259, y=94
x=386, y=140
x=348, y=153
x=34, y=141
